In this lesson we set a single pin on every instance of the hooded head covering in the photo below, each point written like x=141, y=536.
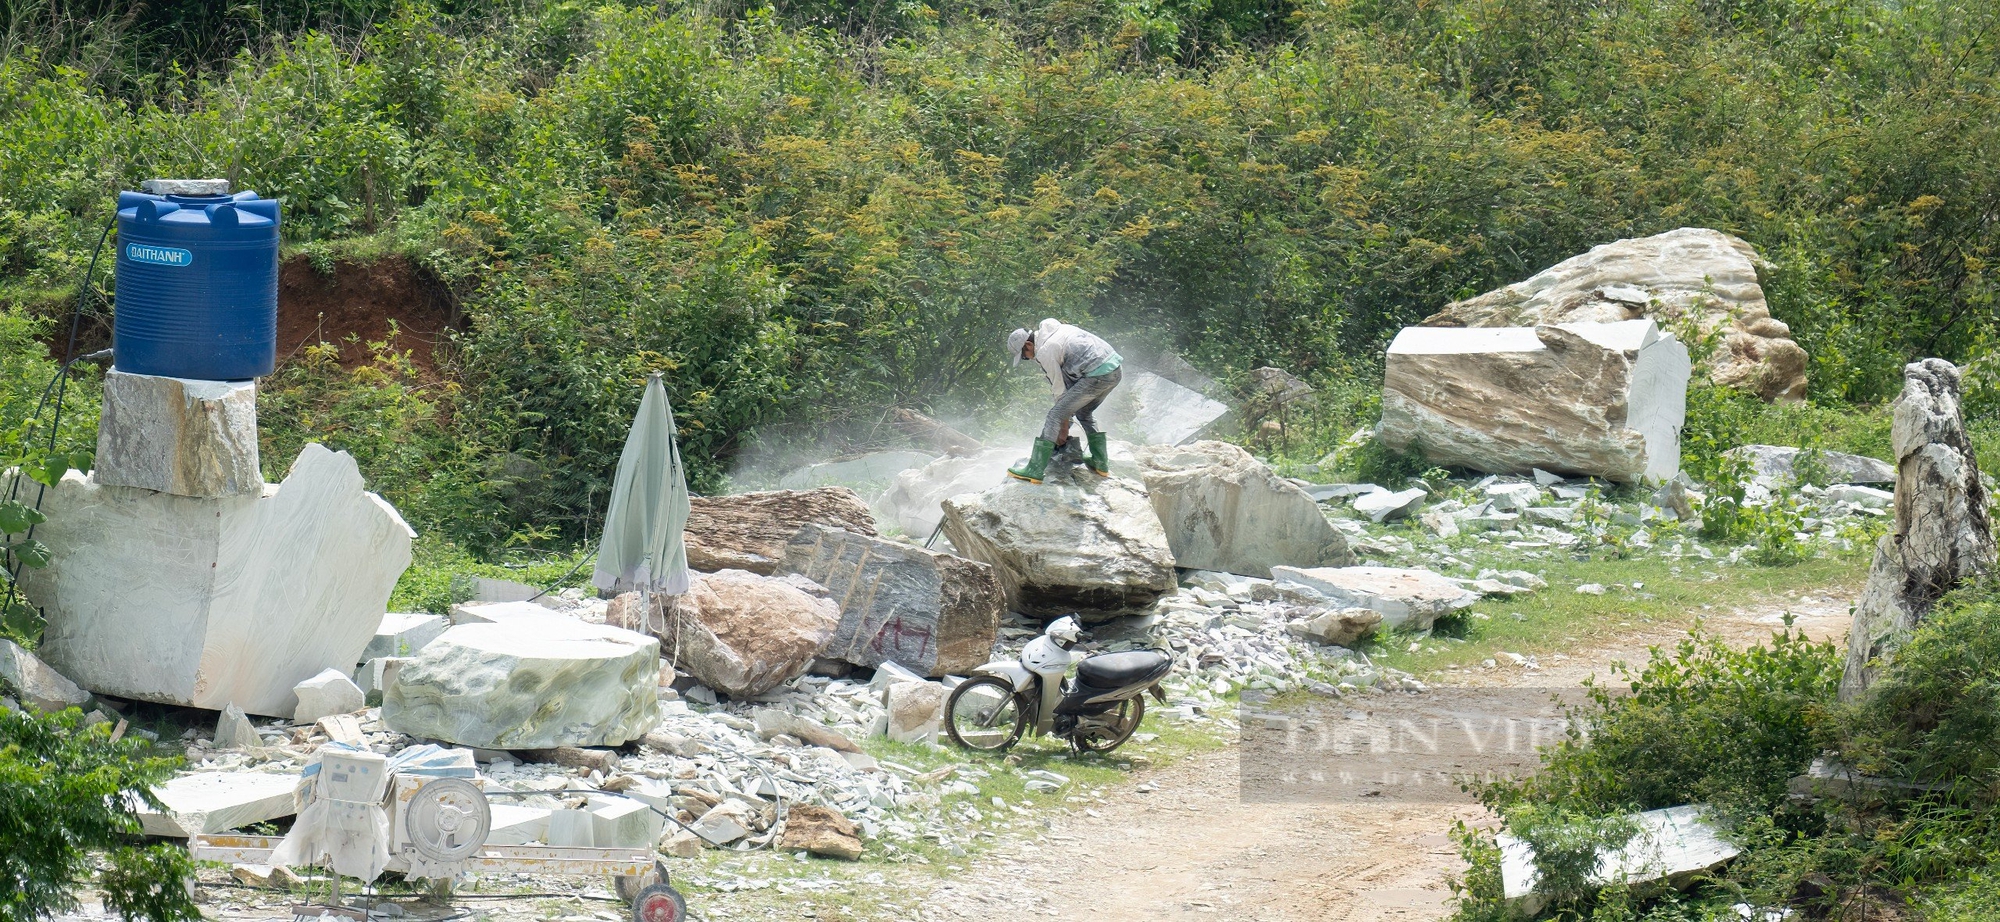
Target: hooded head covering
x=1015, y=341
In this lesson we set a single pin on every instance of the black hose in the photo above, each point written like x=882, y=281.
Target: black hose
x=59, y=386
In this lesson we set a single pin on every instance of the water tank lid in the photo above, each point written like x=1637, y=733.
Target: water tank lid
x=188, y=187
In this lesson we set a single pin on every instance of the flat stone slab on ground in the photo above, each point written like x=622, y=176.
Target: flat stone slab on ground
x=1670, y=845
x=207, y=802
x=1772, y=462
x=1384, y=506
x=1412, y=599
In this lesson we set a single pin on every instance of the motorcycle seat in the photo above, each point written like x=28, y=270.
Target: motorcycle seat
x=1116, y=670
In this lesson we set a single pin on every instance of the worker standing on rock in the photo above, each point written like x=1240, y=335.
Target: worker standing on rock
x=1082, y=370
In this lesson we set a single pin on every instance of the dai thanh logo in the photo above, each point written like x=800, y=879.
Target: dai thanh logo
x=158, y=256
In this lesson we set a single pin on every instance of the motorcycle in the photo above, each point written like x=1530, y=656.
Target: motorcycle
x=1097, y=711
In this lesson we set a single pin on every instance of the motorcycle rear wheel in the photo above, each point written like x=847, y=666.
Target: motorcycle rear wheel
x=984, y=715
x=1124, y=722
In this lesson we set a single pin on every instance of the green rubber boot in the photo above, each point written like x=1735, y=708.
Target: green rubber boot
x=1038, y=462
x=1099, y=461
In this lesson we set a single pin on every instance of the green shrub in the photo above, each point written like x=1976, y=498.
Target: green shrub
x=1701, y=723
x=1972, y=896
x=1933, y=717
x=63, y=797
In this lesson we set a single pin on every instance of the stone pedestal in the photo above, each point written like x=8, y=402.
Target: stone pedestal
x=179, y=436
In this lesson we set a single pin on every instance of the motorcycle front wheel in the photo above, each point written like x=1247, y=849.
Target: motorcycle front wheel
x=984, y=715
x=1112, y=729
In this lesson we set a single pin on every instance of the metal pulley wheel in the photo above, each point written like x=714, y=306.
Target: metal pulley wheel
x=448, y=820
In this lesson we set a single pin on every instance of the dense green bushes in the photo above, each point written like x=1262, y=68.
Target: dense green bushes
x=798, y=223
x=69, y=797
x=1704, y=724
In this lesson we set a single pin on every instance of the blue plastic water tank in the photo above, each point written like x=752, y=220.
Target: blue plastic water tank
x=197, y=286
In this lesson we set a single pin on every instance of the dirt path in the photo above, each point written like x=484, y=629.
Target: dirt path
x=1194, y=848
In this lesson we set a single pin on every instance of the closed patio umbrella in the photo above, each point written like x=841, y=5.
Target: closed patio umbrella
x=642, y=548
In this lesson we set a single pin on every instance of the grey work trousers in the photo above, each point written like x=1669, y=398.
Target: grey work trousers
x=1080, y=401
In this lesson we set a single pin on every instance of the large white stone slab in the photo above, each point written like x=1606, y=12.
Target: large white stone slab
x=1147, y=409
x=1225, y=510
x=1599, y=399
x=528, y=684
x=179, y=435
x=206, y=601
x=1406, y=598
x=915, y=502
x=206, y=802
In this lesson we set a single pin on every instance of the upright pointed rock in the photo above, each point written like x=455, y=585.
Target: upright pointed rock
x=1943, y=535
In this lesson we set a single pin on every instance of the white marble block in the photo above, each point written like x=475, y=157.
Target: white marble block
x=204, y=602
x=530, y=684
x=179, y=435
x=1597, y=399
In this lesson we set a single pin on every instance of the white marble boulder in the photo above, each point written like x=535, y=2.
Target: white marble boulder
x=1692, y=276
x=934, y=613
x=1944, y=530
x=39, y=687
x=206, y=601
x=915, y=501
x=744, y=634
x=324, y=695
x=179, y=435
x=1225, y=510
x=529, y=683
x=1584, y=399
x=1076, y=542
